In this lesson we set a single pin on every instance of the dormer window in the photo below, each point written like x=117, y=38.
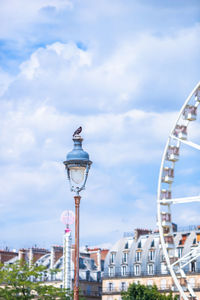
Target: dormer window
x=126, y=246
x=151, y=255
x=139, y=245
x=152, y=244
x=180, y=252
x=125, y=258
x=138, y=256
x=112, y=257
x=198, y=237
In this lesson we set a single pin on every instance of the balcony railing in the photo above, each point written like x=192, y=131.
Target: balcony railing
x=90, y=293
x=119, y=290
x=132, y=273
x=161, y=288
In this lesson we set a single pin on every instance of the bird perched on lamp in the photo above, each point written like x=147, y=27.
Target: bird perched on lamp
x=77, y=131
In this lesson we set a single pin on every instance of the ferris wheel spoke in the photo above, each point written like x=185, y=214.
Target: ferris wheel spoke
x=190, y=289
x=189, y=261
x=189, y=143
x=180, y=200
x=187, y=258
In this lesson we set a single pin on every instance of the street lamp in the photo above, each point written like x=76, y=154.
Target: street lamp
x=77, y=166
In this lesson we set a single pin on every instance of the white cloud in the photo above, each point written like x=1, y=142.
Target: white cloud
x=5, y=80
x=40, y=132
x=63, y=57
x=71, y=79
x=19, y=16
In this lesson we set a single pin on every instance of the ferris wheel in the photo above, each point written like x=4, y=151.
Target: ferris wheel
x=177, y=138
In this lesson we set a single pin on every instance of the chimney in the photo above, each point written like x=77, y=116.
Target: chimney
x=138, y=232
x=22, y=256
x=30, y=256
x=56, y=253
x=95, y=254
x=99, y=260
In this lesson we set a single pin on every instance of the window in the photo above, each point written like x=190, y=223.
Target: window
x=123, y=270
x=126, y=246
x=183, y=239
x=149, y=282
x=53, y=277
x=163, y=268
x=192, y=282
x=138, y=256
x=111, y=271
x=137, y=270
x=163, y=284
x=87, y=275
x=198, y=237
x=98, y=276
x=180, y=252
x=123, y=286
x=162, y=257
x=112, y=258
x=152, y=244
x=151, y=255
x=193, y=266
x=150, y=269
x=125, y=257
x=110, y=286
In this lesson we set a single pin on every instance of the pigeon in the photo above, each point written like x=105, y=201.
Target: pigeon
x=77, y=131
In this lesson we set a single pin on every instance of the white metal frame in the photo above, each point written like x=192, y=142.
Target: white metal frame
x=176, y=268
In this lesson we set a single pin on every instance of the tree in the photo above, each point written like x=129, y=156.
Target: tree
x=143, y=292
x=21, y=281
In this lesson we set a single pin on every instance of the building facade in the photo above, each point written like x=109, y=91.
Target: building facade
x=138, y=257
x=91, y=261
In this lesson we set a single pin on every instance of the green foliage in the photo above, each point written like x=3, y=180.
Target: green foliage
x=20, y=281
x=143, y=292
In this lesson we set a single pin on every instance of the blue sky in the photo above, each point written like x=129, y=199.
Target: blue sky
x=122, y=70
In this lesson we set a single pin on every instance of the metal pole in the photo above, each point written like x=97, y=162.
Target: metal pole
x=76, y=263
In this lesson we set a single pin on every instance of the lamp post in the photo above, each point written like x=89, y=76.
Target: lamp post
x=77, y=166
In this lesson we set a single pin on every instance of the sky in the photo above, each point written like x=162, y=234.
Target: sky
x=121, y=70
